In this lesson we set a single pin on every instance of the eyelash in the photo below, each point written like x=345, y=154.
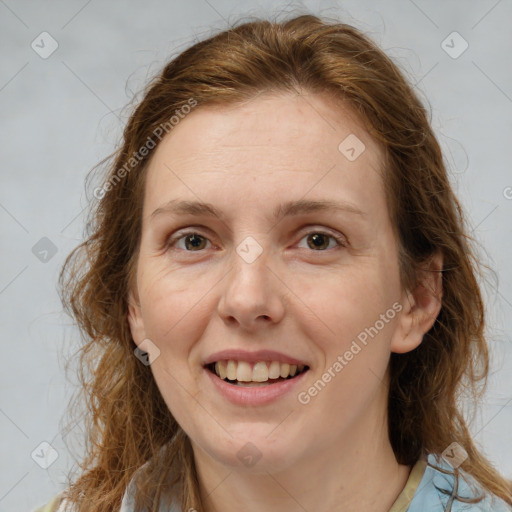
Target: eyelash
x=341, y=242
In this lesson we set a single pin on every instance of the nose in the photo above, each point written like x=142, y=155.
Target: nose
x=252, y=295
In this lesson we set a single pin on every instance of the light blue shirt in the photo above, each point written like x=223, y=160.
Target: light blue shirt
x=436, y=492
x=439, y=492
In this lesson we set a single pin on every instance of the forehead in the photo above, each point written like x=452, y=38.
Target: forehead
x=271, y=145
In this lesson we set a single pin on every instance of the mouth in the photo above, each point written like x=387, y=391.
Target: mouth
x=261, y=373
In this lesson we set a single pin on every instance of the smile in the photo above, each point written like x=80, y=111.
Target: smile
x=261, y=373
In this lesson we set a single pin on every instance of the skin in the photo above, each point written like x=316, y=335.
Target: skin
x=311, y=303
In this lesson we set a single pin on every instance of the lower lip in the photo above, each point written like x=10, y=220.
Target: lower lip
x=257, y=395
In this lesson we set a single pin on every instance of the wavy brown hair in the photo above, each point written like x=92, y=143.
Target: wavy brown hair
x=128, y=423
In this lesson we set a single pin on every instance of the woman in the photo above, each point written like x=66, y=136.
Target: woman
x=278, y=291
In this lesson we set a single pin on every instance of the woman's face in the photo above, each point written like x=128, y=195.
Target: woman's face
x=267, y=242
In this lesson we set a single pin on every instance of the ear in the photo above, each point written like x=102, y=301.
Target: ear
x=420, y=307
x=135, y=318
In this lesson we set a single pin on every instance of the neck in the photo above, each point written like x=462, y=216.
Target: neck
x=358, y=472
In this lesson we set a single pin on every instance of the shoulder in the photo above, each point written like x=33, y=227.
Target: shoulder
x=166, y=505
x=440, y=490
x=57, y=504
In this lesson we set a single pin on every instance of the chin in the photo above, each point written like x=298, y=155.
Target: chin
x=252, y=452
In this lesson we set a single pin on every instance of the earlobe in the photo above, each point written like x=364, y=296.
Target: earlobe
x=420, y=308
x=135, y=320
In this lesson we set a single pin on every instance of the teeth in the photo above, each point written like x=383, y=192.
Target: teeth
x=259, y=372
x=243, y=372
x=220, y=369
x=231, y=370
x=274, y=371
x=262, y=371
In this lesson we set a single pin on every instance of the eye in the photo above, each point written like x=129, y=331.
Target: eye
x=319, y=241
x=192, y=240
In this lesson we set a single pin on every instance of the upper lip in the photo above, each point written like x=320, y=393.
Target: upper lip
x=252, y=357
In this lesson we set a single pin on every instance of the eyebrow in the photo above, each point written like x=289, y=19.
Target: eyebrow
x=288, y=209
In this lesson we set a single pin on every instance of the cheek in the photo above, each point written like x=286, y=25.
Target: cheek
x=177, y=391
x=171, y=304
x=340, y=308
x=174, y=322
x=354, y=333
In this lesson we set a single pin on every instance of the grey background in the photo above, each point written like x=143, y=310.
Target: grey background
x=61, y=115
